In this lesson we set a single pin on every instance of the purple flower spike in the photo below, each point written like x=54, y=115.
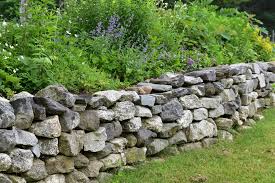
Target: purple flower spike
x=190, y=61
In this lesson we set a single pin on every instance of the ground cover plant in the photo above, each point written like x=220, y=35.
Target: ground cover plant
x=250, y=158
x=91, y=45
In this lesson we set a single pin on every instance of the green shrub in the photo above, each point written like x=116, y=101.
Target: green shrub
x=98, y=44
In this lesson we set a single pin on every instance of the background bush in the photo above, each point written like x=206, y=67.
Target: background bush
x=99, y=44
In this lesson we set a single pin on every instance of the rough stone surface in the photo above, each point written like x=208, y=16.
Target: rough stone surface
x=69, y=120
x=105, y=115
x=49, y=128
x=89, y=120
x=20, y=95
x=224, y=123
x=5, y=162
x=200, y=114
x=112, y=129
x=228, y=95
x=118, y=144
x=186, y=119
x=23, y=112
x=169, y=129
x=4, y=178
x=7, y=117
x=134, y=155
x=110, y=96
x=131, y=140
x=92, y=170
x=59, y=164
x=133, y=125
x=95, y=141
x=171, y=111
x=52, y=107
x=190, y=146
x=7, y=140
x=210, y=103
x=48, y=146
x=206, y=75
x=81, y=161
x=124, y=110
x=56, y=178
x=178, y=138
x=112, y=161
x=16, y=179
x=198, y=131
x=199, y=89
x=37, y=172
x=215, y=113
x=157, y=87
x=147, y=100
x=143, y=112
x=154, y=124
x=77, y=177
x=39, y=112
x=69, y=144
x=190, y=102
x=156, y=146
x=21, y=160
x=190, y=80
x=25, y=138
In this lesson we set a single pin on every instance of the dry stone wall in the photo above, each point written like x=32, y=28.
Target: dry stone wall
x=55, y=136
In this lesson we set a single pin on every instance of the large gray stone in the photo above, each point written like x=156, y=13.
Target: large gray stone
x=239, y=79
x=7, y=117
x=129, y=96
x=246, y=87
x=89, y=120
x=105, y=115
x=22, y=94
x=92, y=170
x=4, y=178
x=171, y=111
x=199, y=89
x=186, y=119
x=112, y=161
x=48, y=146
x=69, y=144
x=133, y=125
x=118, y=144
x=169, y=129
x=39, y=112
x=144, y=137
x=108, y=149
x=57, y=93
x=49, y=128
x=56, y=178
x=69, y=120
x=112, y=129
x=190, y=80
x=23, y=112
x=147, y=100
x=131, y=140
x=124, y=110
x=210, y=103
x=25, y=138
x=17, y=179
x=200, y=114
x=230, y=107
x=157, y=87
x=110, y=96
x=227, y=82
x=7, y=140
x=190, y=146
x=59, y=164
x=5, y=162
x=21, y=160
x=206, y=75
x=228, y=95
x=135, y=155
x=178, y=138
x=244, y=112
x=95, y=141
x=246, y=99
x=156, y=146
x=143, y=112
x=215, y=113
x=210, y=89
x=77, y=177
x=224, y=123
x=52, y=107
x=157, y=109
x=37, y=172
x=198, y=131
x=190, y=102
x=154, y=124
x=81, y=161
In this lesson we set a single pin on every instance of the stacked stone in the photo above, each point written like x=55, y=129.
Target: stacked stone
x=56, y=137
